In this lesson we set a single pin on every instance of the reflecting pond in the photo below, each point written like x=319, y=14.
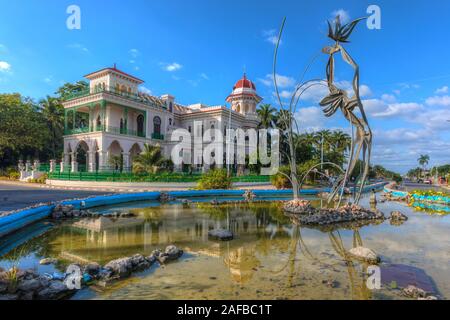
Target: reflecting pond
x=270, y=258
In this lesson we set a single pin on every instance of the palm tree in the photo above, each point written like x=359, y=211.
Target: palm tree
x=149, y=160
x=266, y=115
x=53, y=112
x=423, y=161
x=342, y=141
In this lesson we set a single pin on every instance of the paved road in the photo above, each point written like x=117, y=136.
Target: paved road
x=14, y=196
x=420, y=186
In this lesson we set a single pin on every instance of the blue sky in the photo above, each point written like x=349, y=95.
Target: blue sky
x=196, y=50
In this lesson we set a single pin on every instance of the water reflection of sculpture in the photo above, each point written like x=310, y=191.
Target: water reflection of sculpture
x=357, y=278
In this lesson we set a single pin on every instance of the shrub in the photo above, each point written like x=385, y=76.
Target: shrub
x=42, y=179
x=280, y=181
x=12, y=173
x=215, y=179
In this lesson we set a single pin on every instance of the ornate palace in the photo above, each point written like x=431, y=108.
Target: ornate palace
x=114, y=119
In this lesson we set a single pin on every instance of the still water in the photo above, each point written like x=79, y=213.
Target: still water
x=270, y=258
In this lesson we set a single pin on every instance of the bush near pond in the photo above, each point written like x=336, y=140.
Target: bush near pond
x=215, y=179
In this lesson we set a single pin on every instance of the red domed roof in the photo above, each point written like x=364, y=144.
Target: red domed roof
x=244, y=83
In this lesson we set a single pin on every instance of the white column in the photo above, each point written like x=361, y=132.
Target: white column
x=52, y=165
x=102, y=159
x=74, y=164
x=91, y=161
x=126, y=161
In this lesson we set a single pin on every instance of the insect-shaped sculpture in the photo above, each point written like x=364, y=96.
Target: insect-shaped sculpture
x=339, y=99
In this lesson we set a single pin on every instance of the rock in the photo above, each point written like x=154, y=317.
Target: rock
x=55, y=290
x=428, y=298
x=3, y=287
x=398, y=216
x=364, y=254
x=121, y=267
x=249, y=195
x=173, y=252
x=331, y=283
x=221, y=234
x=76, y=213
x=29, y=285
x=9, y=297
x=27, y=296
x=92, y=268
x=414, y=292
x=46, y=261
x=151, y=259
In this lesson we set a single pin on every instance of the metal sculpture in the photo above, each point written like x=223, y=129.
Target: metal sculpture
x=338, y=99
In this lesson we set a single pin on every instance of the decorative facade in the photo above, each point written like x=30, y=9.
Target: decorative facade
x=113, y=120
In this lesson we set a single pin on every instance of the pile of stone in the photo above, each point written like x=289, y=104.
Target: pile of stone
x=305, y=213
x=165, y=197
x=67, y=212
x=390, y=197
x=398, y=216
x=249, y=195
x=124, y=267
x=417, y=293
x=29, y=285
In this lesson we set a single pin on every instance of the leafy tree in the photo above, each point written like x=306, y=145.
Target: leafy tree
x=53, y=113
x=423, y=160
x=23, y=129
x=150, y=160
x=65, y=91
x=266, y=115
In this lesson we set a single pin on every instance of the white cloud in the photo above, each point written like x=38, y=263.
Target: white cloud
x=5, y=67
x=282, y=81
x=145, y=90
x=48, y=79
x=443, y=101
x=364, y=91
x=204, y=76
x=442, y=90
x=382, y=109
x=343, y=15
x=78, y=46
x=310, y=119
x=271, y=36
x=134, y=53
x=390, y=98
x=171, y=67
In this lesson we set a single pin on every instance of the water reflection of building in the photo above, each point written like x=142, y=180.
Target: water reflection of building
x=188, y=228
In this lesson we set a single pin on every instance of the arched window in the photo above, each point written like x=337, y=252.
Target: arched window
x=170, y=121
x=157, y=125
x=117, y=88
x=121, y=125
x=140, y=125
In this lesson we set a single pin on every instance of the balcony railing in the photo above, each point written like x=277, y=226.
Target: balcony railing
x=142, y=98
x=76, y=131
x=157, y=136
x=108, y=129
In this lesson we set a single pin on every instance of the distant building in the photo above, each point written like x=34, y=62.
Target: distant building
x=114, y=119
